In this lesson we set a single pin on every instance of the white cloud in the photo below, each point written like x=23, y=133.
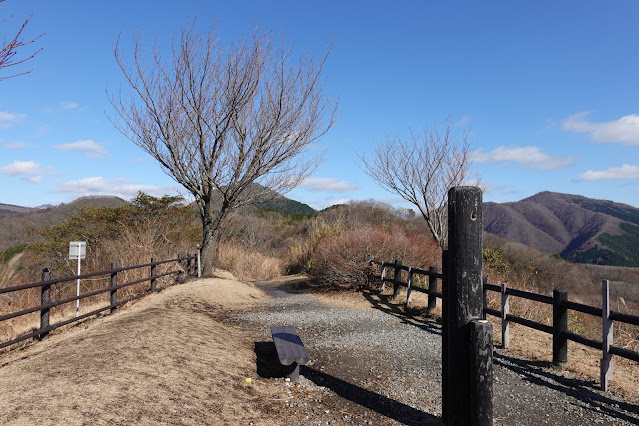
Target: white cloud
x=88, y=147
x=69, y=105
x=119, y=187
x=15, y=145
x=26, y=170
x=624, y=130
x=8, y=119
x=627, y=171
x=525, y=156
x=328, y=185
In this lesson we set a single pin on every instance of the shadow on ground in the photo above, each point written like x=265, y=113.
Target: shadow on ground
x=535, y=371
x=268, y=363
x=268, y=366
x=384, y=304
x=381, y=404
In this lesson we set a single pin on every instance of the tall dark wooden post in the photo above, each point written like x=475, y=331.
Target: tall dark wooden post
x=397, y=278
x=153, y=280
x=45, y=299
x=114, y=290
x=464, y=304
x=432, y=288
x=559, y=326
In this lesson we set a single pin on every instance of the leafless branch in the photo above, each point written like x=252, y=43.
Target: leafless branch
x=11, y=46
x=222, y=118
x=421, y=169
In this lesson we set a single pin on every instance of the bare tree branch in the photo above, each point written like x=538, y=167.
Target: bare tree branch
x=221, y=118
x=421, y=169
x=10, y=47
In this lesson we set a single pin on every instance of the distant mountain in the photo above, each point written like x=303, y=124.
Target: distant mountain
x=271, y=200
x=13, y=219
x=580, y=229
x=284, y=204
x=10, y=208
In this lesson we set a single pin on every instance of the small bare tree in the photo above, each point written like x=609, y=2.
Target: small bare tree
x=10, y=47
x=220, y=118
x=421, y=169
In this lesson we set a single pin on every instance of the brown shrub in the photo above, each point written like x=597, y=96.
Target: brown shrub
x=342, y=259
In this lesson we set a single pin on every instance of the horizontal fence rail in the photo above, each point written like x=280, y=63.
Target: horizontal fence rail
x=558, y=301
x=184, y=264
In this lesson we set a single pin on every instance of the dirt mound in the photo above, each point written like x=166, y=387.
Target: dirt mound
x=167, y=359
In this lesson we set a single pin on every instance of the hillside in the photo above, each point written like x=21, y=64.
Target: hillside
x=10, y=208
x=581, y=229
x=14, y=219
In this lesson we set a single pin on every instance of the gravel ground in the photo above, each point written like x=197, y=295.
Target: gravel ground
x=378, y=366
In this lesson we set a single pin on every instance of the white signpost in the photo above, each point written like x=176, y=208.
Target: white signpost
x=77, y=250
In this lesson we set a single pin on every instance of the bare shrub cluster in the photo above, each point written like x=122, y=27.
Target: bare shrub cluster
x=342, y=259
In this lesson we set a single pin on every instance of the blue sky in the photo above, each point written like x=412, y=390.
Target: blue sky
x=550, y=91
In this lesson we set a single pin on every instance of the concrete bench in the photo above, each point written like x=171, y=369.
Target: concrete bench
x=290, y=349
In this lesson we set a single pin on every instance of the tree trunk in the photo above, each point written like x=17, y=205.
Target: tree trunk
x=211, y=223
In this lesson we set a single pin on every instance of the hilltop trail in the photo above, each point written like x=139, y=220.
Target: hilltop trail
x=182, y=356
x=168, y=359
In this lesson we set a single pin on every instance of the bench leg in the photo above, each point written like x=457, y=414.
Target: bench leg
x=295, y=374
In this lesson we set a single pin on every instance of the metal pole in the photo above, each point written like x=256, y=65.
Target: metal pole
x=199, y=265
x=77, y=302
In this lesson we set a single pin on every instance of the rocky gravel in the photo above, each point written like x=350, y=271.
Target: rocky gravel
x=378, y=366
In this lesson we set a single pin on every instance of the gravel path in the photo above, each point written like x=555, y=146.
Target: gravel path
x=376, y=366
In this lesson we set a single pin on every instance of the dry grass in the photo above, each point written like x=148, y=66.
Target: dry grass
x=248, y=263
x=168, y=359
x=29, y=298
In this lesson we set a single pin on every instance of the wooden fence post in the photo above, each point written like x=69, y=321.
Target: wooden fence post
x=484, y=281
x=481, y=379
x=114, y=290
x=188, y=266
x=153, y=280
x=381, y=290
x=559, y=327
x=432, y=289
x=45, y=298
x=606, y=360
x=505, y=325
x=465, y=303
x=409, y=291
x=178, y=277
x=397, y=278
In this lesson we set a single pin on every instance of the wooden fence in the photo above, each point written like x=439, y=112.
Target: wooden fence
x=185, y=265
x=560, y=306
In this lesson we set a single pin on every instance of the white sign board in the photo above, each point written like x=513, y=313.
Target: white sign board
x=77, y=250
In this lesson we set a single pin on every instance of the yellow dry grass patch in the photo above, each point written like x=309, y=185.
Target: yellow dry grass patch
x=168, y=359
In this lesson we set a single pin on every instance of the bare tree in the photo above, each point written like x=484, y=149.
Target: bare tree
x=10, y=47
x=421, y=169
x=219, y=118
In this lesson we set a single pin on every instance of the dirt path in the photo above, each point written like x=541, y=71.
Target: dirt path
x=168, y=359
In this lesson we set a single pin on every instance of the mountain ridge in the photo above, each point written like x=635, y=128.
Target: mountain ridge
x=580, y=229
